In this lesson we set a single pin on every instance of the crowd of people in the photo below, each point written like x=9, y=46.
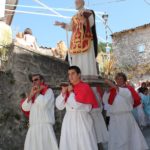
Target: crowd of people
x=79, y=128
x=83, y=126
x=142, y=113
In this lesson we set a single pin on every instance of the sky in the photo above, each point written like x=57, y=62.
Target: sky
x=123, y=14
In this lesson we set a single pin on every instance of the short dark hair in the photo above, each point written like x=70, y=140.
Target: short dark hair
x=143, y=84
x=28, y=31
x=76, y=68
x=142, y=90
x=33, y=75
x=121, y=74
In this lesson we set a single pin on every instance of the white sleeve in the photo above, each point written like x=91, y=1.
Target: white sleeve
x=60, y=102
x=76, y=105
x=69, y=26
x=43, y=100
x=26, y=106
x=105, y=97
x=91, y=19
x=105, y=100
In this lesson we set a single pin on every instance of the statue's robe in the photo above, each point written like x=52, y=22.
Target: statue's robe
x=84, y=44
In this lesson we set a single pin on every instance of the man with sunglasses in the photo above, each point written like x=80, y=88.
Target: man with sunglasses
x=39, y=107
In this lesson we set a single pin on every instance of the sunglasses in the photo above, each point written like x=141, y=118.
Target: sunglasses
x=35, y=80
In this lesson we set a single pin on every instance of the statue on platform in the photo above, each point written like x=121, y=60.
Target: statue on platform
x=83, y=45
x=82, y=53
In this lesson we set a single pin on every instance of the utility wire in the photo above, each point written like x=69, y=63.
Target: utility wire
x=147, y=2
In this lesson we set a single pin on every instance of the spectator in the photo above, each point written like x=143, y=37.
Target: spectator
x=146, y=103
x=143, y=85
x=30, y=39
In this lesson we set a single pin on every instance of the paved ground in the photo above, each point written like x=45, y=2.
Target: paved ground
x=146, y=133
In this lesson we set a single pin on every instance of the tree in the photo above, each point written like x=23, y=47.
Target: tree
x=102, y=47
x=106, y=63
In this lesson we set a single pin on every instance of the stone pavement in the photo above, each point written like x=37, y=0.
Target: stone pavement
x=146, y=132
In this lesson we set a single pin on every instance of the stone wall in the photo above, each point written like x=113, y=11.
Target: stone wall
x=14, y=83
x=125, y=46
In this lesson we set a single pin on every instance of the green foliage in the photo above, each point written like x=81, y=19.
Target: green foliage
x=3, y=51
x=102, y=47
x=5, y=42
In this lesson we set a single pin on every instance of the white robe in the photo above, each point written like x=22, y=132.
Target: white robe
x=77, y=129
x=40, y=135
x=85, y=61
x=99, y=123
x=30, y=41
x=123, y=130
x=105, y=102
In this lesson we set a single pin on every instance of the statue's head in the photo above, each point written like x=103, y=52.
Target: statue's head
x=79, y=4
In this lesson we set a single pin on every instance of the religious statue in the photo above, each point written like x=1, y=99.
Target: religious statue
x=83, y=45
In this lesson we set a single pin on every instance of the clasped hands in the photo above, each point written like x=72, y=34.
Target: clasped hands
x=35, y=91
x=66, y=89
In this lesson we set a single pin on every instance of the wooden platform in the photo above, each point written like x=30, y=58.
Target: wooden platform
x=92, y=82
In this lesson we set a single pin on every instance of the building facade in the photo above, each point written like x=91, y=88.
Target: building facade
x=132, y=50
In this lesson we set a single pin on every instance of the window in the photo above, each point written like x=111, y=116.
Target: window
x=141, y=48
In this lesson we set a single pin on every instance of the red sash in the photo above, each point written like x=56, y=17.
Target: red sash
x=84, y=94
x=43, y=91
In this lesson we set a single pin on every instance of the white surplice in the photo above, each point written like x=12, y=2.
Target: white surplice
x=86, y=61
x=40, y=135
x=105, y=102
x=77, y=129
x=123, y=130
x=99, y=123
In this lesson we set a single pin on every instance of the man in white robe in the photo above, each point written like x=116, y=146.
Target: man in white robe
x=40, y=107
x=124, y=131
x=99, y=122
x=77, y=129
x=83, y=45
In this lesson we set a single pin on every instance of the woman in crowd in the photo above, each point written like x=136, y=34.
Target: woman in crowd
x=146, y=103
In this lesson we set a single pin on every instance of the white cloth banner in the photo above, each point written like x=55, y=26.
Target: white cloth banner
x=2, y=8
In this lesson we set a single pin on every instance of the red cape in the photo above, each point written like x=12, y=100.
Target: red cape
x=85, y=95
x=43, y=91
x=135, y=95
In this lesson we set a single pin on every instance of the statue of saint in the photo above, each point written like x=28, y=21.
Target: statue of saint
x=83, y=45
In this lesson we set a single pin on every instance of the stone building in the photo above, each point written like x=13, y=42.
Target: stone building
x=132, y=51
x=60, y=51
